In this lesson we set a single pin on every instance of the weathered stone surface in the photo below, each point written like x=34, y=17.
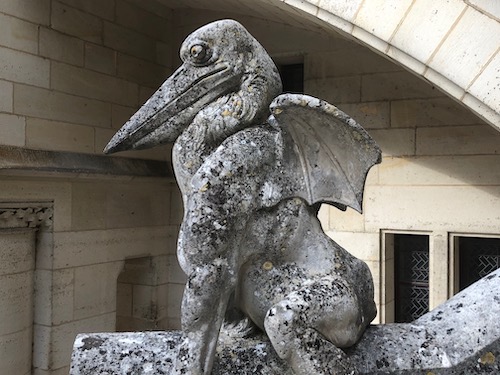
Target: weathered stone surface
x=253, y=167
x=462, y=336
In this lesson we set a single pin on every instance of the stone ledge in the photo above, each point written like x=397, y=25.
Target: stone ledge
x=23, y=161
x=462, y=336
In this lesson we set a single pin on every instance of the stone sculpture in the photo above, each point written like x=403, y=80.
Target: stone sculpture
x=252, y=183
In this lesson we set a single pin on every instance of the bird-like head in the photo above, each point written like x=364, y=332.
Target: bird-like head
x=218, y=59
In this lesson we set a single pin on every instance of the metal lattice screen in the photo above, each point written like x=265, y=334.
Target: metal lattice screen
x=477, y=257
x=411, y=276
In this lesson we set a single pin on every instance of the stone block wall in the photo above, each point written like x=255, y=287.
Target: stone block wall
x=148, y=294
x=439, y=174
x=72, y=72
x=17, y=259
x=76, y=262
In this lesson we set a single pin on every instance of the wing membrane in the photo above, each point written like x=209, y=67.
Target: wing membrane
x=327, y=154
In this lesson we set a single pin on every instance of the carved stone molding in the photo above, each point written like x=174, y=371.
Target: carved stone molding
x=26, y=216
x=18, y=160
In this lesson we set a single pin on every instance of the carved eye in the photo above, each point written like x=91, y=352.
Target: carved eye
x=200, y=53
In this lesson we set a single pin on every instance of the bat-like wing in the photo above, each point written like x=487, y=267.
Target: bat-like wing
x=326, y=154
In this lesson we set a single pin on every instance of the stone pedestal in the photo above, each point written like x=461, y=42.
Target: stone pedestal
x=462, y=336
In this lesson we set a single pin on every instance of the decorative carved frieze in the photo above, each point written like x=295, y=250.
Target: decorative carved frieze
x=26, y=217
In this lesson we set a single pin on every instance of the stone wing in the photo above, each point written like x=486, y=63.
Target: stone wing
x=326, y=154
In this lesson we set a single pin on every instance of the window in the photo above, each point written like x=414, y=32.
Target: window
x=478, y=256
x=292, y=77
x=411, y=276
x=421, y=270
x=404, y=276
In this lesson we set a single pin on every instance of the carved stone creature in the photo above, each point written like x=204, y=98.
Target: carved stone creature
x=252, y=184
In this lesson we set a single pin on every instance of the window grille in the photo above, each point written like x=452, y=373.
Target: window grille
x=477, y=258
x=411, y=276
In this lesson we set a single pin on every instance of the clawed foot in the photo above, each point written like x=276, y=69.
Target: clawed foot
x=305, y=336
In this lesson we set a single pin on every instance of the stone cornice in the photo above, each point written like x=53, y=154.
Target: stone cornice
x=16, y=160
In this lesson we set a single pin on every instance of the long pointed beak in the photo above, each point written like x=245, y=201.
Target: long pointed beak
x=163, y=117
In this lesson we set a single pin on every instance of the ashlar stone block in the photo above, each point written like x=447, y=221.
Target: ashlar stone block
x=95, y=289
x=60, y=371
x=335, y=90
x=175, y=274
x=459, y=140
x=17, y=251
x=371, y=115
x=100, y=59
x=486, y=87
x=128, y=41
x=144, y=302
x=492, y=8
x=13, y=129
x=53, y=105
x=176, y=206
x=348, y=221
x=395, y=142
x=140, y=71
x=22, y=67
x=175, y=293
x=429, y=112
x=16, y=309
x=63, y=296
x=82, y=82
x=470, y=45
x=445, y=208
x=102, y=9
x=393, y=86
x=119, y=116
x=61, y=47
x=355, y=61
x=345, y=9
x=382, y=18
x=88, y=200
x=15, y=353
x=82, y=248
x=136, y=18
x=441, y=170
x=18, y=34
x=75, y=22
x=6, y=96
x=54, y=296
x=36, y=11
x=55, y=135
x=123, y=301
x=137, y=205
x=425, y=26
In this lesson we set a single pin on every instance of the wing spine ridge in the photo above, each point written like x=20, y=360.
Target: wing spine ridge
x=303, y=163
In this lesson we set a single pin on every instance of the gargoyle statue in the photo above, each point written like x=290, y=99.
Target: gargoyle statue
x=252, y=183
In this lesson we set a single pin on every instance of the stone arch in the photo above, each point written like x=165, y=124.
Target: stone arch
x=451, y=44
